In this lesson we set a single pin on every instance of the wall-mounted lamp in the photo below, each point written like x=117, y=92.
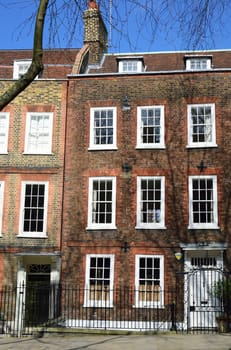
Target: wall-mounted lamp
x=201, y=167
x=125, y=104
x=178, y=256
x=126, y=247
x=126, y=167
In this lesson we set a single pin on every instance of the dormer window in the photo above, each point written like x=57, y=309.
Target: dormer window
x=130, y=65
x=20, y=68
x=198, y=63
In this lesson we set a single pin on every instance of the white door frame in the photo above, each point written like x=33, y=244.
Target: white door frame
x=23, y=260
x=197, y=250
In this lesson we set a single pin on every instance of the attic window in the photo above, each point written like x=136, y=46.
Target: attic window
x=130, y=65
x=20, y=68
x=198, y=63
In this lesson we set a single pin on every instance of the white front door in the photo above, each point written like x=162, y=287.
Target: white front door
x=204, y=269
x=203, y=306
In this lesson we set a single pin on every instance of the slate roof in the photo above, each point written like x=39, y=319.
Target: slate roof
x=163, y=61
x=58, y=63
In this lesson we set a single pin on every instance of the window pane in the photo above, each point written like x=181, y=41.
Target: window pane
x=203, y=200
x=39, y=133
x=103, y=127
x=150, y=125
x=34, y=208
x=102, y=205
x=3, y=132
x=150, y=201
x=149, y=280
x=202, y=124
x=99, y=278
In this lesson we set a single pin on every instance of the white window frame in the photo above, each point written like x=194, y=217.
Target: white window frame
x=130, y=65
x=39, y=149
x=106, y=146
x=1, y=204
x=88, y=302
x=155, y=224
x=33, y=234
x=147, y=303
x=4, y=131
x=211, y=143
x=198, y=63
x=20, y=68
x=102, y=226
x=208, y=225
x=140, y=128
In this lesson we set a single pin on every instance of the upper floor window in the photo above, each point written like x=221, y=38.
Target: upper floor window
x=102, y=203
x=150, y=202
x=20, y=68
x=149, y=281
x=103, y=128
x=1, y=204
x=203, y=202
x=131, y=65
x=198, y=63
x=38, y=138
x=201, y=125
x=33, y=217
x=150, y=127
x=99, y=280
x=4, y=126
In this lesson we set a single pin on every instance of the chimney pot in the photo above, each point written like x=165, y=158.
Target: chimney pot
x=92, y=4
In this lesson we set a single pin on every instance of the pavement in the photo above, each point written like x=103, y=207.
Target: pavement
x=119, y=342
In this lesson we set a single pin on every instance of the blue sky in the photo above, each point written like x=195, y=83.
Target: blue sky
x=17, y=33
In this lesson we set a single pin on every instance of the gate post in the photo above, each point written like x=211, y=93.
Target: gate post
x=20, y=298
x=173, y=316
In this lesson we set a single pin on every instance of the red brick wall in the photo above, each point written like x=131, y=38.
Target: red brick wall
x=176, y=163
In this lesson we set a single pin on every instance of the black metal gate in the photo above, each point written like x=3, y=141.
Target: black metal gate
x=207, y=297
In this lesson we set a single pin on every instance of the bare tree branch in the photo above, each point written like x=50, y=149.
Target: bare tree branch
x=37, y=59
x=196, y=22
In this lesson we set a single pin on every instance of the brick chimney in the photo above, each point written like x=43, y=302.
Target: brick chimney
x=95, y=33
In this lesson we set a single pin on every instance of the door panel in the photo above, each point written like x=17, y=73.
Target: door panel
x=37, y=298
x=203, y=306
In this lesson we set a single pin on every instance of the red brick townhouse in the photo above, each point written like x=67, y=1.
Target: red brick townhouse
x=147, y=184
x=32, y=137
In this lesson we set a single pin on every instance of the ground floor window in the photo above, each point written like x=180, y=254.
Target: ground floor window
x=99, y=280
x=149, y=281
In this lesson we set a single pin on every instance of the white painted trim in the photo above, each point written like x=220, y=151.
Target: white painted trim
x=154, y=225
x=5, y=116
x=104, y=147
x=143, y=304
x=204, y=246
x=142, y=145
x=21, y=218
x=100, y=226
x=189, y=59
x=17, y=64
x=28, y=128
x=99, y=303
x=212, y=251
x=212, y=143
x=213, y=225
x=1, y=204
x=137, y=60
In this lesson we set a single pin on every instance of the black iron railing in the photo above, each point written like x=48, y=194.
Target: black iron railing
x=24, y=309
